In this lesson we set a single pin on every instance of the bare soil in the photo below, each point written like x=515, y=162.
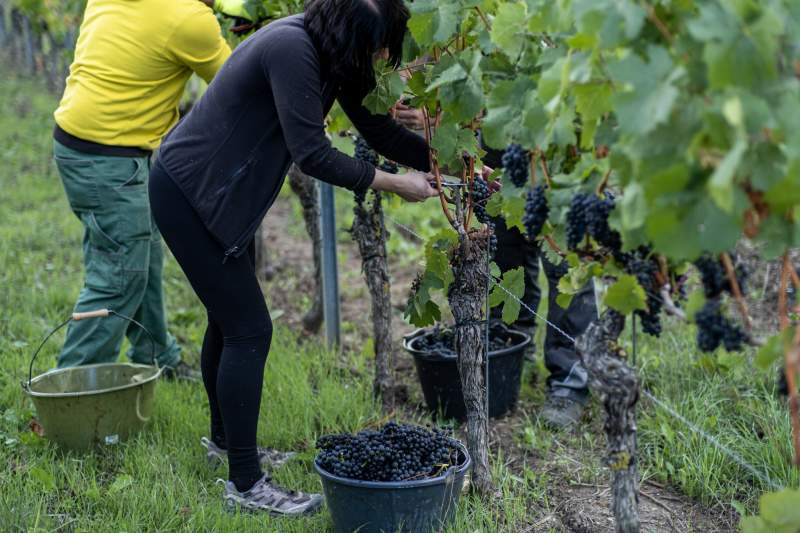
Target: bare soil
x=578, y=498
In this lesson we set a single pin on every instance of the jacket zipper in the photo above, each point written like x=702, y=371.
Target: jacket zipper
x=229, y=252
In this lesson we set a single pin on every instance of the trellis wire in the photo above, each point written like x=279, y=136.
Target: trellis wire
x=735, y=457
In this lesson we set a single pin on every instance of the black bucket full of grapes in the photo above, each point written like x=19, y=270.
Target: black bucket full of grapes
x=397, y=479
x=435, y=358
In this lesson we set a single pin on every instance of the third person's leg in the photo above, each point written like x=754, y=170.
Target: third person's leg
x=567, y=385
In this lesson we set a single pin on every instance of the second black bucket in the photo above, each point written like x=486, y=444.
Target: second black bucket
x=441, y=383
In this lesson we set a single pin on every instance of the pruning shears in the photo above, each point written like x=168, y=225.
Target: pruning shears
x=451, y=182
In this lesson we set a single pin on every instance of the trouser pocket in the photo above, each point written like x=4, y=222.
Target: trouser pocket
x=78, y=178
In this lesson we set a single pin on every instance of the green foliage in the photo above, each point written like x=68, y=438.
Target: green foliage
x=55, y=17
x=626, y=295
x=696, y=102
x=780, y=513
x=508, y=292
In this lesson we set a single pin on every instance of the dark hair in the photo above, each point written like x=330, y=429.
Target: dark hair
x=348, y=33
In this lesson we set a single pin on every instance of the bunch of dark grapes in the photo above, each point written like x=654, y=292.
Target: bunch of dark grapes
x=516, y=164
x=644, y=269
x=576, y=219
x=597, y=213
x=492, y=240
x=389, y=167
x=713, y=329
x=536, y=211
x=480, y=195
x=364, y=153
x=395, y=452
x=714, y=277
x=588, y=215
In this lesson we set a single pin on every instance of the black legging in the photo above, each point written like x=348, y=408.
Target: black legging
x=239, y=328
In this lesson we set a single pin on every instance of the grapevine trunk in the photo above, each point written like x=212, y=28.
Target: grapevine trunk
x=306, y=190
x=466, y=296
x=369, y=232
x=618, y=388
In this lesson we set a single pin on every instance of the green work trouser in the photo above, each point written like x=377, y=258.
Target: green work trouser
x=123, y=258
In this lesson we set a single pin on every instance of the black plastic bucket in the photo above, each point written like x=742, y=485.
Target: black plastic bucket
x=441, y=383
x=419, y=506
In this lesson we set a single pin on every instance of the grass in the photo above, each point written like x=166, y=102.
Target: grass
x=728, y=398
x=159, y=480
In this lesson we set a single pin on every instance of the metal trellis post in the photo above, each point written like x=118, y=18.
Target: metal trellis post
x=330, y=271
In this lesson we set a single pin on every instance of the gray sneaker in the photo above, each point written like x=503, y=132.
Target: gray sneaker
x=264, y=496
x=269, y=458
x=560, y=412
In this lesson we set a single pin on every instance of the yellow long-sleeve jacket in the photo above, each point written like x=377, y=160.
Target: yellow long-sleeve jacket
x=132, y=60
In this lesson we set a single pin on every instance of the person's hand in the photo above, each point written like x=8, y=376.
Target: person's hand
x=495, y=185
x=408, y=116
x=412, y=186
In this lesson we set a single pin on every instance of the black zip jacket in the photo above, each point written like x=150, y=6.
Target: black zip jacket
x=265, y=109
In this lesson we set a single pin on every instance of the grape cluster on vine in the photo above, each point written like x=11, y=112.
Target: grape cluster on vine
x=644, y=268
x=714, y=329
x=588, y=215
x=395, y=452
x=516, y=164
x=576, y=220
x=597, y=222
x=364, y=153
x=480, y=195
x=536, y=211
x=390, y=167
x=492, y=239
x=714, y=277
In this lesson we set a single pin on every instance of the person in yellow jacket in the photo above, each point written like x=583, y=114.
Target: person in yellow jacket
x=132, y=61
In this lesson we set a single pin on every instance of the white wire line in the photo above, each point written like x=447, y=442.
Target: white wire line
x=764, y=478
x=736, y=458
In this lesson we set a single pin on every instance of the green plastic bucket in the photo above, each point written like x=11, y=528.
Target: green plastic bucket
x=83, y=407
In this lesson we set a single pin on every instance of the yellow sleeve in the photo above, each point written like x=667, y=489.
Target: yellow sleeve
x=198, y=43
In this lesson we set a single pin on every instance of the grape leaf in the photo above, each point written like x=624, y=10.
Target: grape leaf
x=513, y=282
x=503, y=122
x=434, y=21
x=633, y=207
x=592, y=101
x=774, y=349
x=387, y=92
x=626, y=295
x=452, y=141
x=509, y=28
x=721, y=184
x=647, y=90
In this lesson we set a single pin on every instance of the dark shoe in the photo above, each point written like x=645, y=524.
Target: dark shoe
x=561, y=412
x=181, y=372
x=269, y=458
x=264, y=496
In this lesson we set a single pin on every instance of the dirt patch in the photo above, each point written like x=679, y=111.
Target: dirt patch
x=576, y=497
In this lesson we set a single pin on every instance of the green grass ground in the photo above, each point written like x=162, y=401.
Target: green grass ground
x=160, y=482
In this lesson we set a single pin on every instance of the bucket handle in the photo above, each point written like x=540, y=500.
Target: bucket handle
x=98, y=313
x=139, y=415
